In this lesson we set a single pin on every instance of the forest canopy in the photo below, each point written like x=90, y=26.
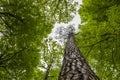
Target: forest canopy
x=23, y=25
x=99, y=39
x=27, y=54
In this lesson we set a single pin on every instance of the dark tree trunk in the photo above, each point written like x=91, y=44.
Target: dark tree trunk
x=47, y=72
x=74, y=65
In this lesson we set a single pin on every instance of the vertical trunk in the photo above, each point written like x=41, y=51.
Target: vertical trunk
x=74, y=65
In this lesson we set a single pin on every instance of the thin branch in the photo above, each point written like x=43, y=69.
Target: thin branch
x=12, y=15
x=6, y=24
x=6, y=59
x=47, y=72
x=89, y=51
x=42, y=67
x=102, y=35
x=97, y=42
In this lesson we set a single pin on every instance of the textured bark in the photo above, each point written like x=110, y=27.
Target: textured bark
x=74, y=65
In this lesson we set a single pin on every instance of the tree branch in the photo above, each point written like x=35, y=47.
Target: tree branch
x=97, y=42
x=5, y=58
x=11, y=15
x=47, y=72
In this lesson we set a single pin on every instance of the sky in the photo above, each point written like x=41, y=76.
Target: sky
x=75, y=21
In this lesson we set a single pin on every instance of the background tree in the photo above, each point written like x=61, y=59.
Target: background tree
x=99, y=39
x=51, y=55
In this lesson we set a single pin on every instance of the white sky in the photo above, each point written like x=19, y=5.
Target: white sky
x=75, y=21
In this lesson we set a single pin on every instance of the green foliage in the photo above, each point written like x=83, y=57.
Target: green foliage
x=51, y=55
x=23, y=24
x=99, y=39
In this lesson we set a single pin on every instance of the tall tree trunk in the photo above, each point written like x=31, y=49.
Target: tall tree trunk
x=74, y=65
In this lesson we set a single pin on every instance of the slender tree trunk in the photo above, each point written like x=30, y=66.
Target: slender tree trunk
x=74, y=65
x=47, y=72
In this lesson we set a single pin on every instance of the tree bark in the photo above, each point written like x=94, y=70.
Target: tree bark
x=75, y=67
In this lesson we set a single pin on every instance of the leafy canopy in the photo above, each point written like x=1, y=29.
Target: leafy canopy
x=23, y=24
x=99, y=39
